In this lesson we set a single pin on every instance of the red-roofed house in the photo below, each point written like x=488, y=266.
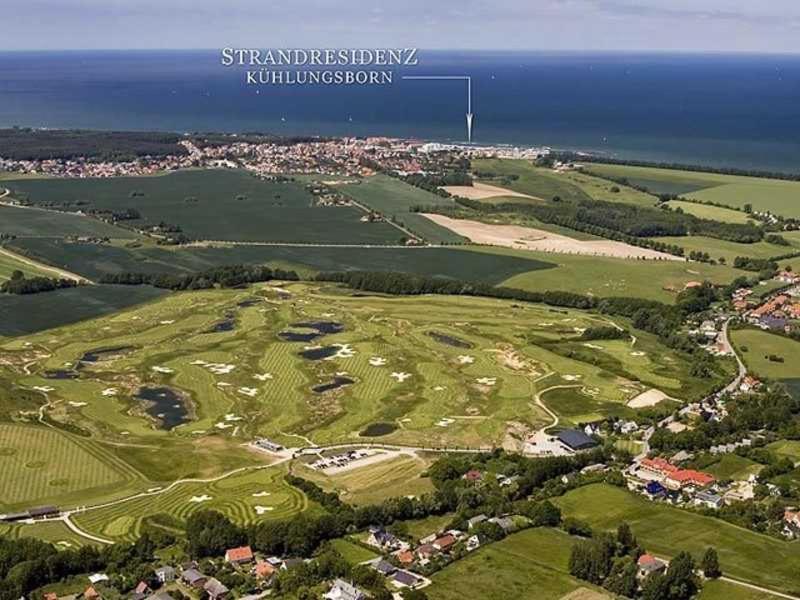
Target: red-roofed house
x=473, y=475
x=649, y=564
x=658, y=466
x=405, y=557
x=688, y=478
x=444, y=543
x=264, y=570
x=239, y=555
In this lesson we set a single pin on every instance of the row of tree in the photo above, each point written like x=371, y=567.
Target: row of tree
x=227, y=277
x=21, y=285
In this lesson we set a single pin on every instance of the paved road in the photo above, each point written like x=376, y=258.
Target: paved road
x=742, y=369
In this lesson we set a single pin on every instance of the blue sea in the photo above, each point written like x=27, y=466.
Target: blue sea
x=722, y=110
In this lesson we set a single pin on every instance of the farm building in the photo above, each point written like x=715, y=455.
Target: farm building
x=576, y=440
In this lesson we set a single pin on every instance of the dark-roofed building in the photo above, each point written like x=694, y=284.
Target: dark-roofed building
x=384, y=567
x=42, y=512
x=165, y=574
x=576, y=440
x=406, y=579
x=193, y=578
x=215, y=589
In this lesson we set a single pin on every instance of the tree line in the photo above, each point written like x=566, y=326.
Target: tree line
x=226, y=277
x=21, y=285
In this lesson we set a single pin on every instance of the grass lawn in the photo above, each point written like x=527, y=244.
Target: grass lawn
x=55, y=532
x=352, y=553
x=789, y=448
x=601, y=189
x=394, y=198
x=733, y=466
x=213, y=205
x=774, y=195
x=711, y=212
x=723, y=590
x=760, y=345
x=422, y=528
x=533, y=181
x=665, y=531
x=529, y=565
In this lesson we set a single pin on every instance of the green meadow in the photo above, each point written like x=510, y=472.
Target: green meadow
x=665, y=530
x=520, y=176
x=531, y=565
x=35, y=222
x=756, y=348
x=711, y=212
x=730, y=250
x=9, y=264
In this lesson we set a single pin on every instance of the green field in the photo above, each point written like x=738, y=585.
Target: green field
x=529, y=565
x=351, y=552
x=601, y=276
x=723, y=590
x=733, y=466
x=94, y=261
x=55, y=532
x=761, y=344
x=26, y=314
x=789, y=448
x=213, y=205
x=393, y=198
x=730, y=250
x=711, y=212
x=774, y=195
x=537, y=182
x=34, y=222
x=665, y=531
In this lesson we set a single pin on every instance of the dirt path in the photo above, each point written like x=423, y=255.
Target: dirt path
x=43, y=267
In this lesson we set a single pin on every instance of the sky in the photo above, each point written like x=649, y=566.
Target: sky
x=636, y=25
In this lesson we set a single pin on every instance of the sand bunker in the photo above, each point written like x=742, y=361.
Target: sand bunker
x=571, y=377
x=377, y=361
x=165, y=370
x=248, y=391
x=261, y=494
x=109, y=392
x=400, y=377
x=203, y=498
x=263, y=376
x=486, y=380
x=481, y=191
x=260, y=510
x=465, y=359
x=232, y=417
x=167, y=322
x=593, y=346
x=438, y=388
x=528, y=238
x=445, y=422
x=44, y=388
x=345, y=351
x=77, y=404
x=649, y=398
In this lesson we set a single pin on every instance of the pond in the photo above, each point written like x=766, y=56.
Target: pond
x=449, y=340
x=61, y=374
x=320, y=352
x=164, y=404
x=319, y=329
x=333, y=385
x=228, y=324
x=99, y=355
x=377, y=429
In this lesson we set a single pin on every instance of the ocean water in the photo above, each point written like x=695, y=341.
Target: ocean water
x=724, y=110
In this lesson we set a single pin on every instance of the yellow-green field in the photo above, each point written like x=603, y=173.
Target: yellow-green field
x=730, y=250
x=9, y=264
x=370, y=484
x=774, y=195
x=709, y=211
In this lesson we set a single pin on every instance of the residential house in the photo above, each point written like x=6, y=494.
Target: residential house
x=708, y=499
x=473, y=475
x=506, y=523
x=473, y=543
x=342, y=590
x=688, y=478
x=405, y=557
x=791, y=523
x=264, y=570
x=444, y=543
x=649, y=564
x=215, y=589
x=141, y=591
x=426, y=551
x=384, y=567
x=476, y=520
x=194, y=578
x=291, y=563
x=90, y=593
x=239, y=556
x=382, y=539
x=654, y=490
x=406, y=579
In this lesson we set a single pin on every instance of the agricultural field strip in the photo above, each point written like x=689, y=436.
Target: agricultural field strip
x=40, y=266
